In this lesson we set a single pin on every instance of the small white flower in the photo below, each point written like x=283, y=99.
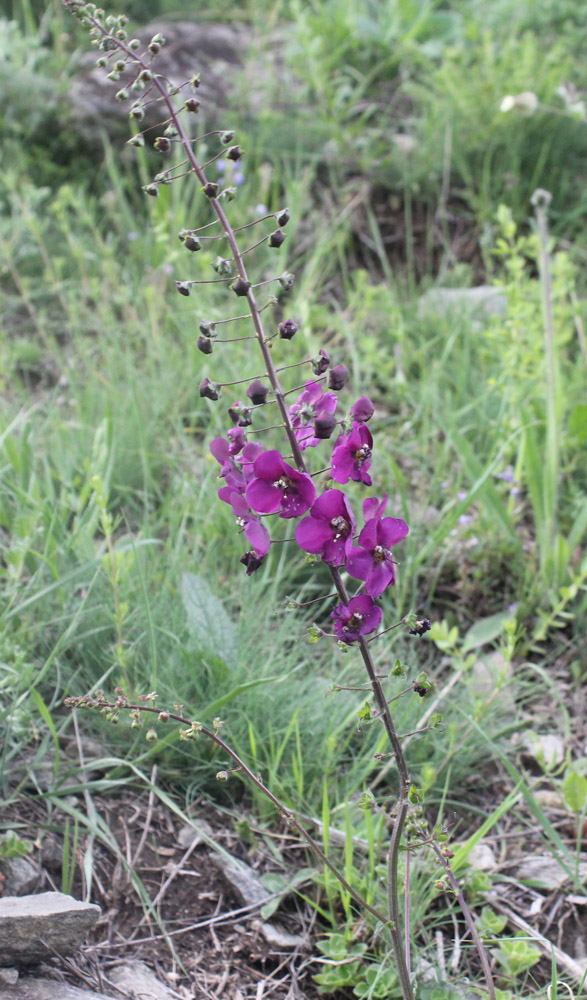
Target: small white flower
x=526, y=102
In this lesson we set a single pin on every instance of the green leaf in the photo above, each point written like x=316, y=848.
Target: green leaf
x=485, y=630
x=574, y=789
x=208, y=622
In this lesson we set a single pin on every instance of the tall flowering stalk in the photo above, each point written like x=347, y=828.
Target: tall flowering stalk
x=260, y=483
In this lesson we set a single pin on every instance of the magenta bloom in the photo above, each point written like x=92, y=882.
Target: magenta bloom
x=255, y=532
x=371, y=560
x=362, y=410
x=351, y=457
x=277, y=486
x=360, y=617
x=237, y=440
x=329, y=529
x=313, y=402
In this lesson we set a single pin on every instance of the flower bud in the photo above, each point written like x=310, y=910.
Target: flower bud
x=134, y=45
x=324, y=425
x=320, y=362
x=153, y=190
x=337, y=377
x=136, y=140
x=421, y=626
x=222, y=266
x=192, y=105
x=191, y=243
x=234, y=153
x=150, y=735
x=210, y=390
x=171, y=132
x=276, y=238
x=162, y=144
x=240, y=415
x=137, y=112
x=183, y=287
x=207, y=328
x=226, y=138
x=362, y=410
x=210, y=189
x=108, y=45
x=288, y=329
x=154, y=48
x=195, y=81
x=205, y=345
x=287, y=281
x=229, y=193
x=222, y=776
x=241, y=287
x=251, y=561
x=145, y=75
x=282, y=217
x=102, y=62
x=257, y=393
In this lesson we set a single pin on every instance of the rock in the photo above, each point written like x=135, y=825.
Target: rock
x=278, y=938
x=33, y=928
x=481, y=856
x=136, y=979
x=8, y=976
x=545, y=871
x=215, y=51
x=21, y=876
x=199, y=830
x=547, y=749
x=480, y=303
x=29, y=988
x=242, y=879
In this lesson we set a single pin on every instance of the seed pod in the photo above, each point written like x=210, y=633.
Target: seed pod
x=276, y=238
x=282, y=217
x=226, y=138
x=191, y=243
x=234, y=153
x=207, y=328
x=205, y=345
x=257, y=393
x=162, y=144
x=241, y=287
x=183, y=287
x=337, y=377
x=192, y=105
x=288, y=329
x=153, y=190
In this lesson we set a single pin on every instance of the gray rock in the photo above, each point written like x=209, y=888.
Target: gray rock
x=29, y=988
x=21, y=876
x=137, y=979
x=8, y=977
x=242, y=879
x=199, y=830
x=33, y=928
x=215, y=51
x=480, y=303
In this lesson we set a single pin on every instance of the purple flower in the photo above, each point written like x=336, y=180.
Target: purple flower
x=359, y=617
x=223, y=451
x=371, y=560
x=255, y=532
x=351, y=457
x=237, y=440
x=362, y=410
x=277, y=486
x=329, y=529
x=313, y=402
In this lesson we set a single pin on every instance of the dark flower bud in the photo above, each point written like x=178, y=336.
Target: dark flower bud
x=240, y=415
x=226, y=138
x=276, y=238
x=421, y=626
x=252, y=561
x=208, y=329
x=137, y=112
x=337, y=377
x=195, y=81
x=362, y=410
x=234, y=153
x=191, y=243
x=282, y=218
x=257, y=393
x=210, y=189
x=288, y=329
x=108, y=45
x=145, y=75
x=153, y=190
x=324, y=425
x=222, y=266
x=183, y=287
x=102, y=62
x=421, y=691
x=154, y=48
x=210, y=390
x=162, y=144
x=320, y=362
x=192, y=105
x=241, y=287
x=205, y=345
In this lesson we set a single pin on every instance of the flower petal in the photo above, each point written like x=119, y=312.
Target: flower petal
x=391, y=531
x=359, y=563
x=312, y=534
x=263, y=496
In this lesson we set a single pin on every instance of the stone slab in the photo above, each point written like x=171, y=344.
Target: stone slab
x=33, y=928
